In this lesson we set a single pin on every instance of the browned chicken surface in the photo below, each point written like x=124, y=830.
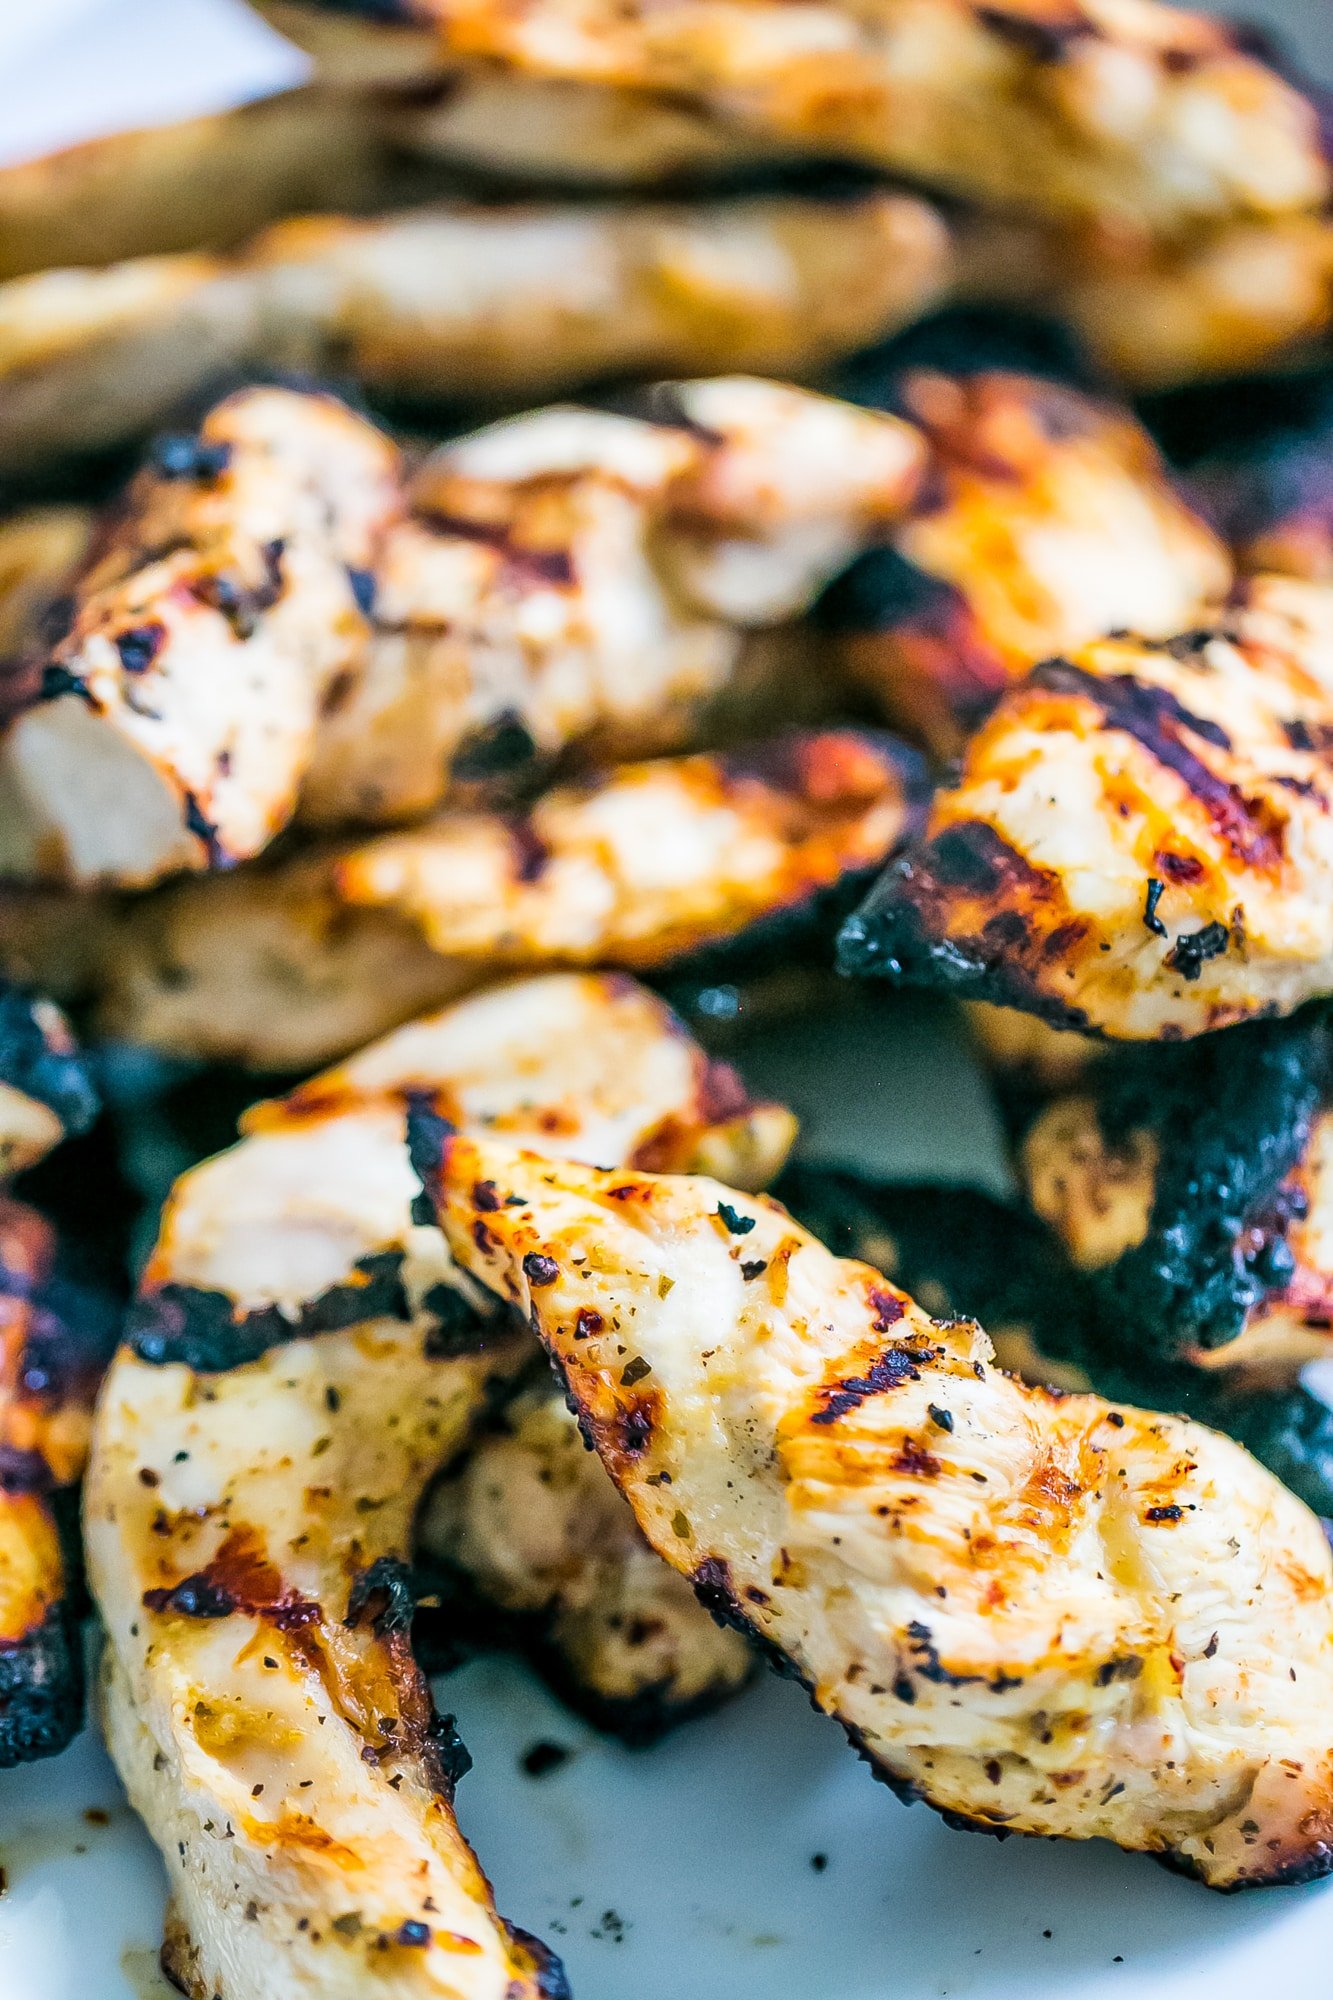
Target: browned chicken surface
x=1138, y=841
x=1039, y=1613
x=1045, y=519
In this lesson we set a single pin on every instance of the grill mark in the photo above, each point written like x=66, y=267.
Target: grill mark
x=240, y=1577
x=549, y=566
x=888, y=1371
x=1159, y=723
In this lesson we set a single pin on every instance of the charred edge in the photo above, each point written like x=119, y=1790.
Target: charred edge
x=428, y=1134
x=935, y=635
x=58, y=680
x=39, y=1059
x=552, y=1982
x=201, y=1329
x=41, y=1689
x=1216, y=1240
x=899, y=932
x=1311, y=1867
x=388, y=1590
x=457, y=1327
x=1159, y=723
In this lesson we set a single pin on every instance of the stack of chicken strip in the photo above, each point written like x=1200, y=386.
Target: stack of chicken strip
x=318, y=727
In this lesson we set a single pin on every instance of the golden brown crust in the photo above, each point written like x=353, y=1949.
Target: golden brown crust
x=1046, y=518
x=1148, y=115
x=1139, y=841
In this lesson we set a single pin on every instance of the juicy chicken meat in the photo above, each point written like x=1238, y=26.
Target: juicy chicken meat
x=726, y=860
x=46, y=1093
x=1039, y=1613
x=1138, y=842
x=534, y=1544
x=1045, y=520
x=458, y=302
x=247, y=1530
x=574, y=576
x=55, y=1336
x=1122, y=111
x=171, y=727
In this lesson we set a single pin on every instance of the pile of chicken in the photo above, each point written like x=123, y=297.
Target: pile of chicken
x=425, y=778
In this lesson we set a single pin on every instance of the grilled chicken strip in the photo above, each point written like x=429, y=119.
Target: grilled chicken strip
x=578, y=576
x=1045, y=520
x=1044, y=1614
x=56, y=1332
x=715, y=861
x=456, y=302
x=1147, y=116
x=200, y=181
x=1138, y=842
x=529, y=1540
x=172, y=727
x=247, y=1530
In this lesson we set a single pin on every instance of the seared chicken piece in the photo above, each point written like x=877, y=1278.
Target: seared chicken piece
x=459, y=302
x=1046, y=519
x=200, y=181
x=171, y=728
x=55, y=1336
x=247, y=1530
x=1197, y=1210
x=1044, y=1614
x=46, y=1093
x=1141, y=115
x=714, y=861
x=531, y=1541
x=1139, y=841
x=573, y=575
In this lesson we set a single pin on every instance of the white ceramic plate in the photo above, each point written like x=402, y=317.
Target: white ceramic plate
x=690, y=1872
